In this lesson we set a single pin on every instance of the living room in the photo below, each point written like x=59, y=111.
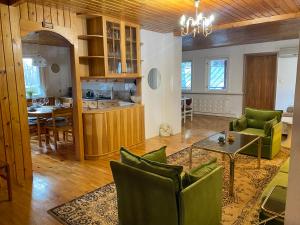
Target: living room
x=177, y=118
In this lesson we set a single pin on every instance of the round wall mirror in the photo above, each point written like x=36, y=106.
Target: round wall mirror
x=154, y=78
x=55, y=68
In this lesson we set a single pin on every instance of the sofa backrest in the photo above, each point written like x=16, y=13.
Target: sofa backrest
x=256, y=118
x=144, y=197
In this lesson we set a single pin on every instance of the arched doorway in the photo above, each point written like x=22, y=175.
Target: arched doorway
x=60, y=39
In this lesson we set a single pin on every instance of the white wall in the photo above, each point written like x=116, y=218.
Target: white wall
x=293, y=197
x=164, y=52
x=55, y=84
x=286, y=81
x=229, y=103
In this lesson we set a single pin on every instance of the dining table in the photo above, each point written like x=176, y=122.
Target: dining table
x=41, y=113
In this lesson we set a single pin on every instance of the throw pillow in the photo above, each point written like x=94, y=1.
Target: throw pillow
x=129, y=158
x=241, y=123
x=165, y=170
x=268, y=126
x=202, y=170
x=157, y=155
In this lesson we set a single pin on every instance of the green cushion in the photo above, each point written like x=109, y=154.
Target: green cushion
x=202, y=170
x=147, y=164
x=285, y=167
x=280, y=179
x=268, y=126
x=257, y=118
x=157, y=155
x=241, y=124
x=129, y=158
x=165, y=170
x=254, y=131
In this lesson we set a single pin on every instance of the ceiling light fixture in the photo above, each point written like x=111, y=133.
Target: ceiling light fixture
x=196, y=25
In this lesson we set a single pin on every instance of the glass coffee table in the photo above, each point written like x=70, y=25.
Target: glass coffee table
x=241, y=141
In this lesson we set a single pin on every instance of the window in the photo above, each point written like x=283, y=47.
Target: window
x=217, y=74
x=186, y=75
x=33, y=84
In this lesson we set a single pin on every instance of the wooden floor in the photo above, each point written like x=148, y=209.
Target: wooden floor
x=58, y=178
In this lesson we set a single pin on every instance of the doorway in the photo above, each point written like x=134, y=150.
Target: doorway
x=260, y=81
x=48, y=84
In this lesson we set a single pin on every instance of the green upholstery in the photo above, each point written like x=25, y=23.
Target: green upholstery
x=261, y=123
x=157, y=155
x=150, y=199
x=281, y=178
x=202, y=170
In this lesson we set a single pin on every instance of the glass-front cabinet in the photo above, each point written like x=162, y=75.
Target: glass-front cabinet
x=114, y=52
x=122, y=40
x=131, y=49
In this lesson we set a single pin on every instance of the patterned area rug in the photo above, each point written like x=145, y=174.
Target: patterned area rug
x=99, y=207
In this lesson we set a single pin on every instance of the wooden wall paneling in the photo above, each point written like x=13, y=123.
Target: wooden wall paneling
x=24, y=10
x=124, y=127
x=67, y=18
x=12, y=96
x=60, y=17
x=47, y=14
x=54, y=18
x=31, y=11
x=21, y=93
x=2, y=140
x=5, y=113
x=39, y=13
x=77, y=95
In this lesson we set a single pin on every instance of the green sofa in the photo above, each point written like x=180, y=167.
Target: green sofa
x=264, y=123
x=146, y=198
x=280, y=179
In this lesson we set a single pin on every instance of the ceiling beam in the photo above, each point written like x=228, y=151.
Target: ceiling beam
x=257, y=21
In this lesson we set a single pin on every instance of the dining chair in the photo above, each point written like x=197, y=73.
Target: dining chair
x=187, y=108
x=61, y=120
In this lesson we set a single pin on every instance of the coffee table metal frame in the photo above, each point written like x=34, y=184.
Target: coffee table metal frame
x=232, y=156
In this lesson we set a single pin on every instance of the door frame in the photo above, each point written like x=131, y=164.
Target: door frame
x=244, y=74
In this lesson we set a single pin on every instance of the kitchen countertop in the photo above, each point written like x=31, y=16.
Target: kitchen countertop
x=86, y=110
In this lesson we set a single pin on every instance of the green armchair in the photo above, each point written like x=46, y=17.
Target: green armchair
x=145, y=198
x=264, y=123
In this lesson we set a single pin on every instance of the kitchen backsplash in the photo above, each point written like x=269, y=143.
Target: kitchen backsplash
x=121, y=89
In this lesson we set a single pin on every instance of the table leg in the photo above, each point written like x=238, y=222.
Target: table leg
x=259, y=149
x=231, y=181
x=39, y=132
x=190, y=157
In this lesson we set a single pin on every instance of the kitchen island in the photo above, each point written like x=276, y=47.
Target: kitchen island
x=106, y=130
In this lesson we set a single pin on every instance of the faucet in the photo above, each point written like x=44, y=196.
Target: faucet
x=112, y=93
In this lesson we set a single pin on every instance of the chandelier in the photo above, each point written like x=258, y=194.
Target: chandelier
x=196, y=25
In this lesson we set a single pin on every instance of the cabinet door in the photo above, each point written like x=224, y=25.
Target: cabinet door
x=95, y=135
x=132, y=49
x=113, y=130
x=114, y=50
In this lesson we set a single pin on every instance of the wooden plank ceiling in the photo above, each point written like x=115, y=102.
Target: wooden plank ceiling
x=163, y=15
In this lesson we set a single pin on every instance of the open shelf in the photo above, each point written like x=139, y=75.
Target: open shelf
x=111, y=77
x=91, y=57
x=89, y=36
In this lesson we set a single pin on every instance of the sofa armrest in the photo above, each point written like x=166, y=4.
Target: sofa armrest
x=232, y=125
x=276, y=134
x=201, y=202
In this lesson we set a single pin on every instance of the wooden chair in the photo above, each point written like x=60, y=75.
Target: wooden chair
x=187, y=108
x=5, y=174
x=62, y=120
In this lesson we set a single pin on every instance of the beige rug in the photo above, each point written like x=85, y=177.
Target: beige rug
x=99, y=207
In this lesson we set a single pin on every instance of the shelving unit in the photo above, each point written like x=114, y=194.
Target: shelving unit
x=95, y=42
x=113, y=48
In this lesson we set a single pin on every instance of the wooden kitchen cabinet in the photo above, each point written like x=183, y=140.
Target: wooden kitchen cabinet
x=106, y=131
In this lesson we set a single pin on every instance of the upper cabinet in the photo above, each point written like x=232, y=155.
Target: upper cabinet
x=113, y=49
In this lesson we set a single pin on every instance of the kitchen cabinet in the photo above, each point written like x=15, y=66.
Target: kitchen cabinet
x=105, y=131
